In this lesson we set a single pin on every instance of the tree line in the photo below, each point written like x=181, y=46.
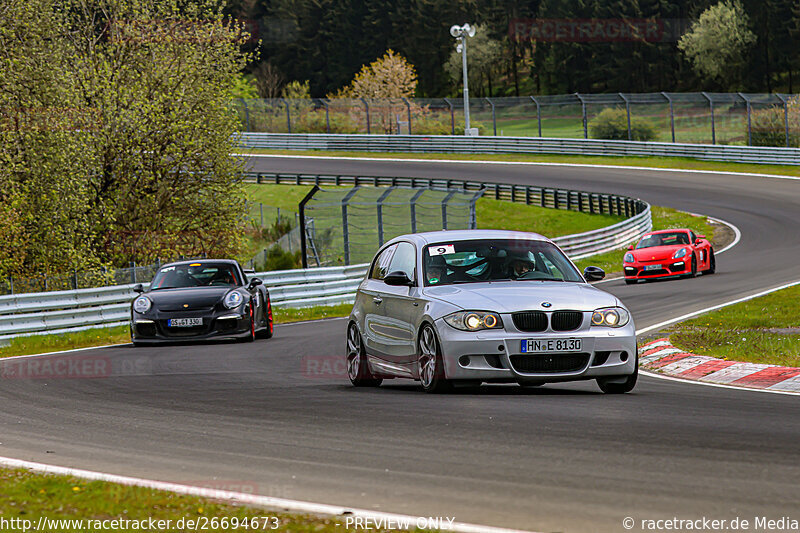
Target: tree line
x=327, y=42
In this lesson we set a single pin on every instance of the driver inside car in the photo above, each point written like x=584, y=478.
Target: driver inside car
x=520, y=267
x=436, y=270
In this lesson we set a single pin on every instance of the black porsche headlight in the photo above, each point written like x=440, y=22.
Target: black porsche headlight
x=474, y=320
x=233, y=300
x=142, y=304
x=610, y=317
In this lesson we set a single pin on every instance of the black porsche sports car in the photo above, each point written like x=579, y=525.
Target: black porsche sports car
x=200, y=300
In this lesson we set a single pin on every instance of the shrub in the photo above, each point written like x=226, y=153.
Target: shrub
x=280, y=259
x=768, y=126
x=440, y=125
x=612, y=123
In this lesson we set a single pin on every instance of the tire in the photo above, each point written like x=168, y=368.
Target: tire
x=712, y=262
x=631, y=281
x=252, y=336
x=430, y=365
x=357, y=367
x=694, y=267
x=619, y=388
x=266, y=332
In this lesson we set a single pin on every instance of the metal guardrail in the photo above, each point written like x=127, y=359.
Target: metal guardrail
x=75, y=310
x=510, y=145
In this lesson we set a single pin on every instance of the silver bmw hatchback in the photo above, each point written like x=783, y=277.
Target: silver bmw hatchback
x=473, y=306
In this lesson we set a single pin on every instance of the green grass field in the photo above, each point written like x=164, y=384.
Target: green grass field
x=28, y=496
x=35, y=344
x=762, y=330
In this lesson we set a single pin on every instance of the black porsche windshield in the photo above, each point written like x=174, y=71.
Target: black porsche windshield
x=664, y=239
x=200, y=274
x=484, y=260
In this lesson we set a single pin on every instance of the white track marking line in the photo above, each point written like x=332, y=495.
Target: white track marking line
x=528, y=163
x=17, y=357
x=714, y=308
x=241, y=498
x=732, y=373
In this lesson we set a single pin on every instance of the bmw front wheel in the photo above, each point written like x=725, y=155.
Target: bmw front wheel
x=430, y=364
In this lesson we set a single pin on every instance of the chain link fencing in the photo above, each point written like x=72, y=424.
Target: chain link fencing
x=709, y=118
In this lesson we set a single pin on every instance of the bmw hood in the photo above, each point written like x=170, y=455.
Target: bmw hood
x=513, y=296
x=187, y=299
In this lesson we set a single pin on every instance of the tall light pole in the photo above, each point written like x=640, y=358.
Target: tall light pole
x=461, y=33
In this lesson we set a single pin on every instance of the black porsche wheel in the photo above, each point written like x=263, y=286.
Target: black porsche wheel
x=252, y=336
x=357, y=366
x=266, y=331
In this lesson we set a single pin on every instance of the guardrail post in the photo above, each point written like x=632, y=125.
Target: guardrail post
x=749, y=127
x=555, y=198
x=302, y=224
x=569, y=200
x=11, y=284
x=528, y=195
x=785, y=117
x=381, y=199
x=408, y=110
x=444, y=208
x=133, y=271
x=327, y=116
x=583, y=113
x=580, y=201
x=288, y=115
x=591, y=203
x=538, y=115
x=542, y=199
x=671, y=115
x=452, y=117
x=74, y=279
x=494, y=117
x=713, y=127
x=473, y=219
x=366, y=109
x=345, y=228
x=628, y=112
x=414, y=209
x=261, y=208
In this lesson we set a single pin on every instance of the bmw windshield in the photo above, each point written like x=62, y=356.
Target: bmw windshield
x=483, y=260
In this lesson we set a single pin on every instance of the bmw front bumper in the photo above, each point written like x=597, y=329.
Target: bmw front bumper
x=496, y=355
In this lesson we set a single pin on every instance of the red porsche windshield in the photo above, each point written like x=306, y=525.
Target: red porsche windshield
x=664, y=239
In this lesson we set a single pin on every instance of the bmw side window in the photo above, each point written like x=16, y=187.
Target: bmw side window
x=405, y=257
x=381, y=266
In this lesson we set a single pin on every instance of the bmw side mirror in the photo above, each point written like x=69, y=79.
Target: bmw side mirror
x=255, y=282
x=593, y=273
x=397, y=278
x=138, y=288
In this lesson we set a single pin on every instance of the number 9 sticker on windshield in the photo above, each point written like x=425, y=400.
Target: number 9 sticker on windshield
x=442, y=249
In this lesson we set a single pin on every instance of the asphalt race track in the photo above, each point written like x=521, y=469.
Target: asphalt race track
x=279, y=416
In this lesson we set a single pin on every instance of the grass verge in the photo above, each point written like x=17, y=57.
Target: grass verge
x=28, y=496
x=651, y=162
x=762, y=330
x=35, y=344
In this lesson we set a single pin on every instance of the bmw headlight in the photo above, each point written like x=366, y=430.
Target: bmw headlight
x=610, y=317
x=474, y=320
x=233, y=300
x=142, y=304
x=680, y=253
x=628, y=258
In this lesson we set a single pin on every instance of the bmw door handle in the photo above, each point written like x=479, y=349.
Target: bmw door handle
x=377, y=300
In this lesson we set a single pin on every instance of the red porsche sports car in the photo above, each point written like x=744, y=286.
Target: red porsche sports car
x=665, y=253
